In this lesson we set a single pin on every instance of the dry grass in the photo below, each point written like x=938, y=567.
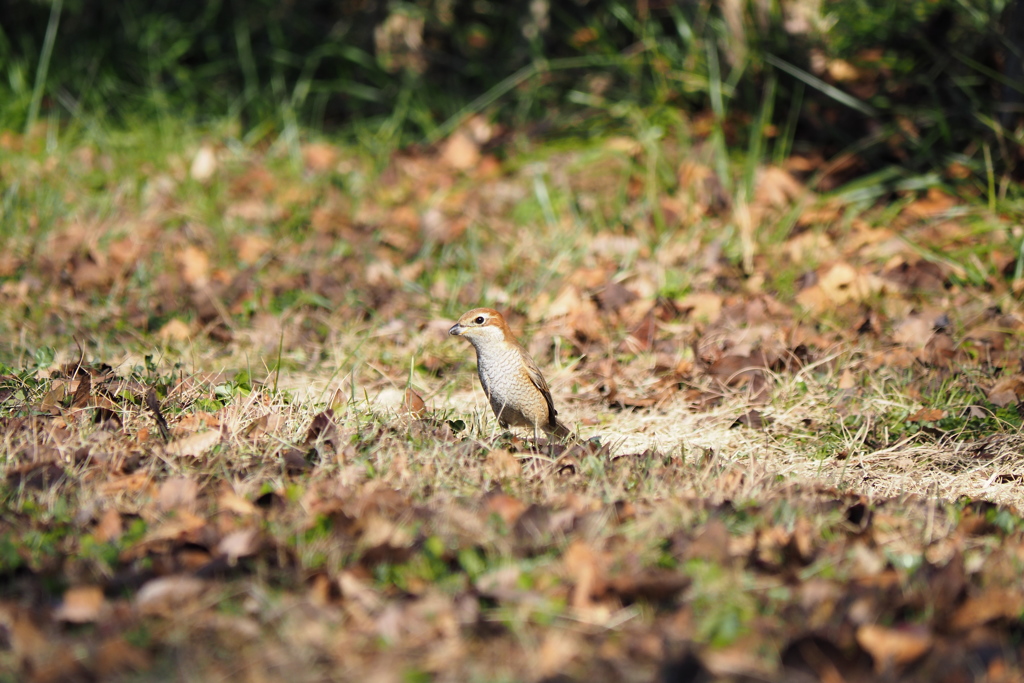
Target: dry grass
x=776, y=457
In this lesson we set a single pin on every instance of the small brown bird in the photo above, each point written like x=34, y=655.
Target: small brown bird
x=514, y=386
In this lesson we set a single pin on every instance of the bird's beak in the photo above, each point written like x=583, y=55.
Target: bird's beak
x=456, y=330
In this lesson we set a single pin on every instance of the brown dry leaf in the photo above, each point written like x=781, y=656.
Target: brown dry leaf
x=204, y=164
x=196, y=421
x=811, y=245
x=24, y=638
x=125, y=251
x=355, y=589
x=847, y=380
x=622, y=143
x=320, y=590
x=195, y=445
x=842, y=71
x=711, y=544
x=232, y=502
x=582, y=564
x=891, y=647
x=916, y=275
x=460, y=151
x=241, y=543
x=822, y=214
x=612, y=297
x=136, y=481
x=927, y=415
x=557, y=650
x=777, y=548
x=382, y=533
x=255, y=210
x=168, y=595
x=53, y=399
x=568, y=300
x=193, y=265
x=503, y=584
x=935, y=202
x=1007, y=390
x=89, y=273
x=413, y=404
x=814, y=299
x=842, y=283
x=700, y=189
x=319, y=157
x=323, y=430
x=777, y=188
x=82, y=391
x=81, y=605
x=702, y=306
x=115, y=656
x=257, y=428
x=436, y=226
x=502, y=464
x=250, y=248
x=109, y=527
x=914, y=332
x=177, y=493
x=174, y=330
x=505, y=506
x=939, y=351
x=641, y=338
x=992, y=605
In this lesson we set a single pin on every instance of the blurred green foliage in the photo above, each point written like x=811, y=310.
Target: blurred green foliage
x=932, y=71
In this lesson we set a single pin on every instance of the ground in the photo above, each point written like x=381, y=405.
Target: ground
x=239, y=444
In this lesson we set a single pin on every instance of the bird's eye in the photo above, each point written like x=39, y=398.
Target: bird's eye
x=479, y=320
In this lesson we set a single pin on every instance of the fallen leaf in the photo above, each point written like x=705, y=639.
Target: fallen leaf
x=81, y=605
x=250, y=247
x=168, y=595
x=582, y=565
x=777, y=188
x=241, y=543
x=232, y=502
x=703, y=306
x=204, y=164
x=894, y=647
x=508, y=508
x=842, y=71
x=991, y=605
x=927, y=415
x=174, y=330
x=414, y=404
x=195, y=445
x=194, y=265
x=914, y=332
x=557, y=650
x=502, y=464
x=319, y=157
x=1007, y=390
x=115, y=655
x=934, y=203
x=109, y=527
x=177, y=493
x=460, y=151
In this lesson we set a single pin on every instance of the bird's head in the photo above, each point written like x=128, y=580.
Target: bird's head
x=482, y=325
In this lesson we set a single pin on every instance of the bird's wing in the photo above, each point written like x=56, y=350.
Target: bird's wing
x=538, y=381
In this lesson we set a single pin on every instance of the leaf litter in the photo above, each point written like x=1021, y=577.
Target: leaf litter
x=264, y=453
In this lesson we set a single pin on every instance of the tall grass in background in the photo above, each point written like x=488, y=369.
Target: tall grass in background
x=910, y=86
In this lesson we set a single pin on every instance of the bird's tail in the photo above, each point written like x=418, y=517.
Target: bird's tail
x=560, y=431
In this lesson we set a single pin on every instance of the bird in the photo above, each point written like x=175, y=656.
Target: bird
x=515, y=387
